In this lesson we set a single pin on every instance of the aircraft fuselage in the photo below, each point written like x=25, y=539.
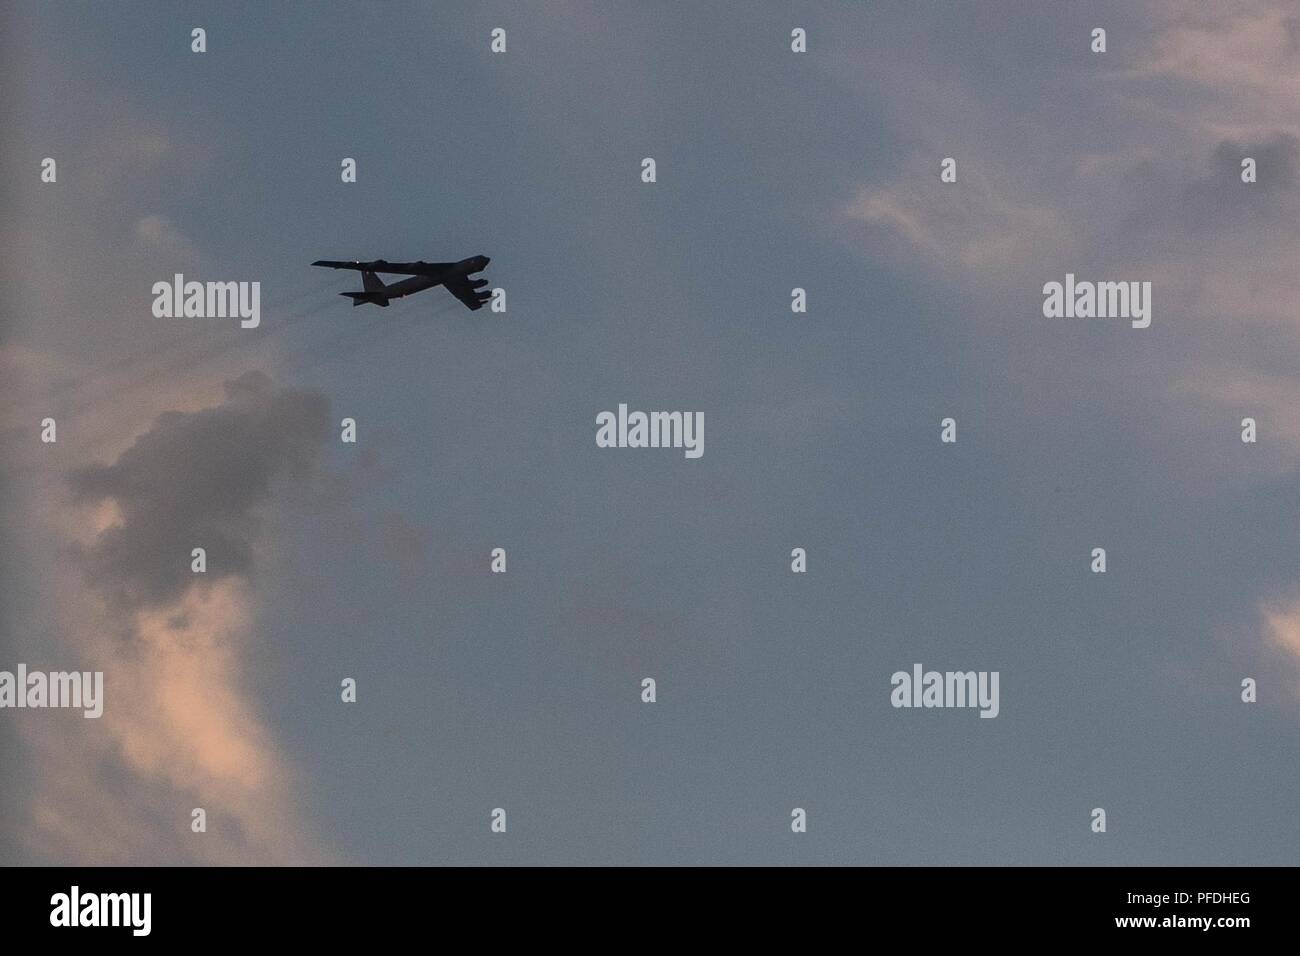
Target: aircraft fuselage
x=404, y=287
x=411, y=284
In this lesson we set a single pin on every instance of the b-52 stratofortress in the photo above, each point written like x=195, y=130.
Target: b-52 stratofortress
x=423, y=275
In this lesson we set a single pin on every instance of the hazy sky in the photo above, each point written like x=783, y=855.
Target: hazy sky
x=522, y=691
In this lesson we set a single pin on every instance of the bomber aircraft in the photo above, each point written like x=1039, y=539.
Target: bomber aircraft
x=422, y=275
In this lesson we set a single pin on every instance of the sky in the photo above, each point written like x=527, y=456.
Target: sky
x=522, y=691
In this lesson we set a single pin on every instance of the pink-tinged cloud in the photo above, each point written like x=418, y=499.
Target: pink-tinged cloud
x=180, y=729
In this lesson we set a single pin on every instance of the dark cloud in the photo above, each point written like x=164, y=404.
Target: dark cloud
x=193, y=480
x=1219, y=201
x=1222, y=199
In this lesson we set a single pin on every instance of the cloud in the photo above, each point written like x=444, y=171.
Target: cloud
x=180, y=728
x=157, y=231
x=1161, y=199
x=976, y=228
x=193, y=481
x=1283, y=624
x=1242, y=57
x=1215, y=210
x=1282, y=629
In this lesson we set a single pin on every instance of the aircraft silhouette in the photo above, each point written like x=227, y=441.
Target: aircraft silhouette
x=423, y=275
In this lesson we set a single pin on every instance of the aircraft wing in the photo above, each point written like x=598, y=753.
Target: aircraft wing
x=382, y=265
x=473, y=298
